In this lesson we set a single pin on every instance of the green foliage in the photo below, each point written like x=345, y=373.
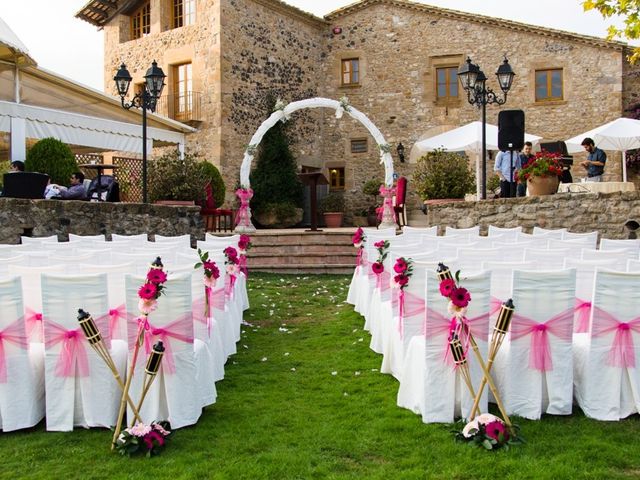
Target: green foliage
x=274, y=178
x=372, y=187
x=4, y=168
x=493, y=182
x=281, y=210
x=629, y=10
x=212, y=175
x=441, y=174
x=333, y=202
x=171, y=178
x=53, y=157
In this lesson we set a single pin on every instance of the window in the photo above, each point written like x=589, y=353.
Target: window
x=336, y=178
x=182, y=91
x=184, y=12
x=141, y=21
x=549, y=85
x=359, y=145
x=351, y=71
x=447, y=83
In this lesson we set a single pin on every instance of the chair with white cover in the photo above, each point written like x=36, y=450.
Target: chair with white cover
x=573, y=245
x=607, y=384
x=417, y=231
x=67, y=258
x=557, y=233
x=115, y=237
x=60, y=247
x=153, y=250
x=471, y=259
x=35, y=258
x=534, y=368
x=140, y=261
x=74, y=237
x=511, y=252
x=174, y=393
x=38, y=240
x=430, y=385
x=633, y=246
x=184, y=240
x=221, y=241
x=80, y=388
x=502, y=280
x=633, y=265
x=536, y=241
x=99, y=256
x=471, y=231
x=21, y=366
x=508, y=234
x=546, y=259
x=487, y=242
x=617, y=258
x=447, y=249
x=590, y=239
x=15, y=259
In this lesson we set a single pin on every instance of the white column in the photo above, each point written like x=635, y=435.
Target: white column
x=18, y=142
x=181, y=150
x=624, y=166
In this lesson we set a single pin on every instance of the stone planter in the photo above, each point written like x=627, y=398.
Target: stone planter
x=333, y=219
x=271, y=220
x=542, y=185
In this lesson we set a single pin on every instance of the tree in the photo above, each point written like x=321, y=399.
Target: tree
x=629, y=10
x=53, y=157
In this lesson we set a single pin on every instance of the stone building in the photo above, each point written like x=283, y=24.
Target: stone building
x=394, y=59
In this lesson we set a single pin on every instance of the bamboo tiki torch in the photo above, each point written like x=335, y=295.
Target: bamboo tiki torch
x=151, y=370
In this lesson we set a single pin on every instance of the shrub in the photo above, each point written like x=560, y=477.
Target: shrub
x=53, y=157
x=333, y=202
x=212, y=175
x=4, y=168
x=441, y=174
x=171, y=178
x=372, y=187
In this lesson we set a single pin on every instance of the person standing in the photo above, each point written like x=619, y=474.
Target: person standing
x=596, y=159
x=506, y=166
x=525, y=156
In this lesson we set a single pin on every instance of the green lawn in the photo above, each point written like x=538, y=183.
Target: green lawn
x=303, y=399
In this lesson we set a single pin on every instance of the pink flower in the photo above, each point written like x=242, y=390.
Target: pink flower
x=242, y=246
x=231, y=253
x=148, y=291
x=447, y=286
x=357, y=237
x=210, y=282
x=139, y=430
x=377, y=268
x=159, y=428
x=379, y=244
x=147, y=306
x=211, y=269
x=401, y=280
x=233, y=269
x=460, y=297
x=153, y=437
x=401, y=265
x=155, y=275
x=244, y=238
x=496, y=430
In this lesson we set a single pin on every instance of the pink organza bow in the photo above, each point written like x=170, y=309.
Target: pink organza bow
x=13, y=333
x=387, y=193
x=622, y=352
x=229, y=285
x=242, y=218
x=494, y=305
x=408, y=305
x=115, y=314
x=180, y=329
x=359, y=259
x=33, y=322
x=242, y=264
x=199, y=308
x=582, y=310
x=383, y=281
x=560, y=325
x=73, y=350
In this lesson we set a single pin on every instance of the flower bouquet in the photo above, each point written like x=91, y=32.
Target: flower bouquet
x=232, y=266
x=211, y=275
x=143, y=439
x=403, y=269
x=489, y=432
x=358, y=240
x=382, y=246
x=244, y=244
x=541, y=173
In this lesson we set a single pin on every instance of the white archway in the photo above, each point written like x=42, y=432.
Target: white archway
x=281, y=114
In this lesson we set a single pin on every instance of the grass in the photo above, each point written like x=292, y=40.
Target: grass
x=303, y=399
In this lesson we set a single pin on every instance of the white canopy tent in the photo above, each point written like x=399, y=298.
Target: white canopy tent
x=619, y=135
x=467, y=138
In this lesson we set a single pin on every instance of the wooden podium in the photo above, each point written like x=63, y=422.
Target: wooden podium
x=313, y=179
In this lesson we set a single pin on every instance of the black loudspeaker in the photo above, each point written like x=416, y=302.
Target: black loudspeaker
x=511, y=130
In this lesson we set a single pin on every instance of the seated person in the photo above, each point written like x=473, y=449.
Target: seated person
x=74, y=192
x=16, y=166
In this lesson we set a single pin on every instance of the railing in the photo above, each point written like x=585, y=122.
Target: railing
x=129, y=177
x=184, y=108
x=89, y=158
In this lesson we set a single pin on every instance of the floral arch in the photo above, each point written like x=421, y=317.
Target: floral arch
x=281, y=114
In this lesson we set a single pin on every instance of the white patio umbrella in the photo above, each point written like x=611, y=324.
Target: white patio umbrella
x=11, y=47
x=467, y=138
x=619, y=135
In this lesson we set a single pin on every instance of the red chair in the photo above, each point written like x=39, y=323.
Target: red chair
x=215, y=219
x=399, y=203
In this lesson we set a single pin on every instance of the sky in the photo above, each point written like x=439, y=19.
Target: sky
x=73, y=48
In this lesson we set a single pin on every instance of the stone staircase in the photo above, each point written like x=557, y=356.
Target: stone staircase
x=297, y=251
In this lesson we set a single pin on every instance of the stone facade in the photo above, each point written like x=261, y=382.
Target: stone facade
x=43, y=218
x=243, y=50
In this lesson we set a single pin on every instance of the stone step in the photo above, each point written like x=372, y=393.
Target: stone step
x=328, y=249
x=302, y=239
x=343, y=269
x=300, y=258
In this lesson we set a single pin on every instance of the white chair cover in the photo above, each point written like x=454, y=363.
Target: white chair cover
x=57, y=258
x=140, y=261
x=511, y=252
x=35, y=258
x=15, y=259
x=38, y=240
x=99, y=256
x=590, y=239
x=21, y=366
x=536, y=241
x=80, y=389
x=547, y=259
x=606, y=377
x=446, y=249
x=534, y=369
x=417, y=231
x=507, y=234
x=132, y=238
x=184, y=240
x=451, y=231
x=633, y=246
x=502, y=280
x=174, y=395
x=633, y=265
x=471, y=259
x=73, y=236
x=617, y=258
x=221, y=240
x=557, y=233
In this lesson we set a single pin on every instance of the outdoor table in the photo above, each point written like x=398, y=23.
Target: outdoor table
x=100, y=168
x=596, y=187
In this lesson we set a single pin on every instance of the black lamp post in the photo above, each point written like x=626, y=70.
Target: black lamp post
x=400, y=150
x=473, y=81
x=147, y=99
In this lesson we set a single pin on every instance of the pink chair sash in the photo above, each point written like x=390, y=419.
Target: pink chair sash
x=73, y=350
x=622, y=352
x=242, y=217
x=359, y=259
x=180, y=329
x=383, y=281
x=229, y=285
x=408, y=305
x=199, y=307
x=14, y=333
x=242, y=263
x=582, y=310
x=494, y=305
x=33, y=322
x=115, y=314
x=560, y=325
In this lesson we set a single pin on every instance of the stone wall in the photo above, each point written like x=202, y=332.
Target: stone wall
x=42, y=218
x=604, y=212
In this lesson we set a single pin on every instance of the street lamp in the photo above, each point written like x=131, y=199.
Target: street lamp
x=400, y=150
x=473, y=81
x=147, y=99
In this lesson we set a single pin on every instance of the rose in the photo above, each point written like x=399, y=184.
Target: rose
x=401, y=280
x=497, y=431
x=152, y=437
x=460, y=297
x=211, y=270
x=155, y=275
x=148, y=291
x=244, y=242
x=231, y=253
x=401, y=265
x=447, y=286
x=357, y=237
x=377, y=268
x=379, y=244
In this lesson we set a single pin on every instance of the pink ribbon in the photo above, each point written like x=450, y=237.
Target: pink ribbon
x=13, y=333
x=115, y=314
x=622, y=352
x=242, y=218
x=408, y=305
x=33, y=322
x=495, y=305
x=359, y=259
x=560, y=325
x=199, y=307
x=387, y=193
x=242, y=263
x=582, y=310
x=72, y=352
x=383, y=281
x=229, y=285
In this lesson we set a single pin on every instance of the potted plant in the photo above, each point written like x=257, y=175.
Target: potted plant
x=542, y=173
x=332, y=208
x=360, y=218
x=372, y=187
x=443, y=175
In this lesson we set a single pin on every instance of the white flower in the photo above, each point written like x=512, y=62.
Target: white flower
x=356, y=373
x=139, y=430
x=242, y=252
x=334, y=373
x=293, y=369
x=210, y=282
x=264, y=359
x=147, y=306
x=470, y=428
x=458, y=312
x=357, y=245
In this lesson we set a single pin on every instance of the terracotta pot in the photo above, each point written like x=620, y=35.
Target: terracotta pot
x=333, y=219
x=542, y=185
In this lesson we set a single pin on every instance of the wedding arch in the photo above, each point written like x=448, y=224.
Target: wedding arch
x=282, y=113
